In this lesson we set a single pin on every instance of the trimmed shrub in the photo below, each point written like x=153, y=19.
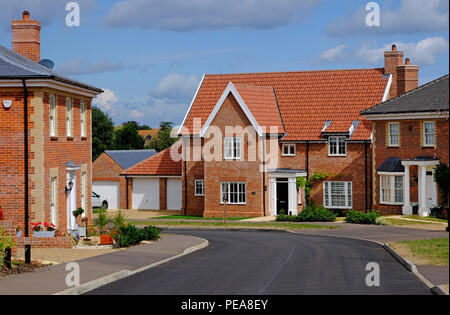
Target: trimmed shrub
x=151, y=233
x=129, y=235
x=310, y=214
x=382, y=221
x=361, y=218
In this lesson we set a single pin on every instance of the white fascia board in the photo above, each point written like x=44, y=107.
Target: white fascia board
x=424, y=115
x=31, y=83
x=388, y=88
x=192, y=103
x=231, y=89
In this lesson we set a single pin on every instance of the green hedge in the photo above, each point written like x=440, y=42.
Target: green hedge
x=309, y=214
x=361, y=218
x=129, y=235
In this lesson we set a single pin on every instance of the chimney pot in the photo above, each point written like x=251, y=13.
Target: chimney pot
x=407, y=61
x=394, y=47
x=26, y=15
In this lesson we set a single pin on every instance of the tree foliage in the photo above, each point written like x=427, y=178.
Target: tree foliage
x=128, y=138
x=163, y=140
x=441, y=176
x=102, y=132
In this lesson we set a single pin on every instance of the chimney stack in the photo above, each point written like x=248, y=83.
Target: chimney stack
x=26, y=37
x=404, y=76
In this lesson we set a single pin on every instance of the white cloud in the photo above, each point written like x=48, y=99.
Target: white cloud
x=176, y=86
x=336, y=54
x=106, y=101
x=82, y=66
x=179, y=15
x=45, y=11
x=413, y=16
x=422, y=53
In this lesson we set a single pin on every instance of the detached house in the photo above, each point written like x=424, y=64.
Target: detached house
x=45, y=135
x=410, y=138
x=248, y=137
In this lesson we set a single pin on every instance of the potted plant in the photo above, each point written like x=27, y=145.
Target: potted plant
x=39, y=232
x=19, y=232
x=80, y=229
x=101, y=222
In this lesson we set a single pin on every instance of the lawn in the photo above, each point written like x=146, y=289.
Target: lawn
x=190, y=217
x=395, y=221
x=433, y=219
x=258, y=225
x=425, y=252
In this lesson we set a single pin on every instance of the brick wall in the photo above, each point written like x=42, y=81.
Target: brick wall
x=45, y=242
x=410, y=147
x=104, y=168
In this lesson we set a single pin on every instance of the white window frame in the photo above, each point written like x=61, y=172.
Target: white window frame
x=337, y=146
x=392, y=189
x=52, y=116
x=390, y=143
x=233, y=145
x=291, y=149
x=83, y=118
x=83, y=192
x=53, y=201
x=240, y=185
x=425, y=144
x=327, y=196
x=202, y=182
x=69, y=110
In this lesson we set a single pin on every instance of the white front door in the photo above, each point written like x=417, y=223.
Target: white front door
x=174, y=194
x=431, y=191
x=71, y=196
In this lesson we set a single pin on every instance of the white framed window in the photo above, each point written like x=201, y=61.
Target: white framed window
x=83, y=118
x=83, y=193
x=288, y=149
x=429, y=134
x=235, y=193
x=337, y=195
x=199, y=187
x=337, y=146
x=53, y=200
x=68, y=117
x=232, y=148
x=393, y=134
x=391, y=189
x=299, y=197
x=52, y=115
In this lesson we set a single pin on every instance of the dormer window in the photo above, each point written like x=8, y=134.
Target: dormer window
x=289, y=149
x=337, y=146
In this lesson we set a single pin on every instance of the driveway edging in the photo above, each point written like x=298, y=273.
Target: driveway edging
x=94, y=284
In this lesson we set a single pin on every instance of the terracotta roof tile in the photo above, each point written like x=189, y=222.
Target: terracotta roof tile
x=160, y=164
x=305, y=99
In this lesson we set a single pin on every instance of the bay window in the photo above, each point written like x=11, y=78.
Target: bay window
x=391, y=189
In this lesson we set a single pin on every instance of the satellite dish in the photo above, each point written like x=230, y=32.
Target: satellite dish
x=47, y=63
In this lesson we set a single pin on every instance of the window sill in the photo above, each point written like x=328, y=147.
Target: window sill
x=83, y=138
x=69, y=138
x=53, y=138
x=199, y=195
x=393, y=146
x=337, y=155
x=392, y=203
x=234, y=204
x=288, y=155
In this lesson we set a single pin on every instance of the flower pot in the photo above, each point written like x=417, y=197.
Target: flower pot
x=19, y=234
x=106, y=240
x=44, y=234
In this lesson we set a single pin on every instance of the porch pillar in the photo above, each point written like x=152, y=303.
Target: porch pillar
x=407, y=209
x=423, y=211
x=292, y=203
x=272, y=196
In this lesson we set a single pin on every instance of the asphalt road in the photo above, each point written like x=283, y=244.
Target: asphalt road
x=266, y=263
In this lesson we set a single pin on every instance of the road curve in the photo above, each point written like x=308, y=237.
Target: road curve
x=266, y=263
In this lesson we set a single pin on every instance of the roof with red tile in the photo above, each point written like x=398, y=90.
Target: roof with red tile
x=305, y=99
x=161, y=164
x=262, y=103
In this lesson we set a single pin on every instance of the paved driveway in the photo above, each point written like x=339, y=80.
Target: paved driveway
x=272, y=263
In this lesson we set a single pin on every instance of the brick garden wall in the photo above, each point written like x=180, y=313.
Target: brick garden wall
x=45, y=242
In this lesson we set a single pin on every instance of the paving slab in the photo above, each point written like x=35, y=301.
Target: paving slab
x=52, y=279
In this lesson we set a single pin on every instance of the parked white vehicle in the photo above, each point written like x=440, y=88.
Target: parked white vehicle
x=98, y=201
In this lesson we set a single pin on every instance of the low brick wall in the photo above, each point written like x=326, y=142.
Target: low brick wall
x=45, y=242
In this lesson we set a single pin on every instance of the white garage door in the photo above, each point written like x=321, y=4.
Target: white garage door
x=174, y=194
x=146, y=193
x=108, y=190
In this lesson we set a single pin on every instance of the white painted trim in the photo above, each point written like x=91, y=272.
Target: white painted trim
x=389, y=134
x=231, y=89
x=287, y=175
x=288, y=144
x=192, y=103
x=420, y=163
x=388, y=89
x=337, y=146
x=391, y=173
x=203, y=187
x=153, y=176
x=347, y=206
x=424, y=115
x=392, y=189
x=228, y=201
x=424, y=134
x=31, y=83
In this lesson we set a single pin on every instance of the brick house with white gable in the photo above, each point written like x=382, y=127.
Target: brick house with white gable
x=297, y=124
x=45, y=136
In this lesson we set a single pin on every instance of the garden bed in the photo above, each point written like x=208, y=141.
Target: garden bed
x=19, y=267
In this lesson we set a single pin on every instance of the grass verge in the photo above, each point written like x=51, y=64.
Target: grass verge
x=187, y=217
x=425, y=252
x=258, y=225
x=432, y=219
x=407, y=222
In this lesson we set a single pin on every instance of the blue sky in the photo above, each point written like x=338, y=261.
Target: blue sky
x=149, y=55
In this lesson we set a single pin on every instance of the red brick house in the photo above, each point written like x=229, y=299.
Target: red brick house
x=45, y=135
x=248, y=137
x=155, y=183
x=106, y=171
x=410, y=137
